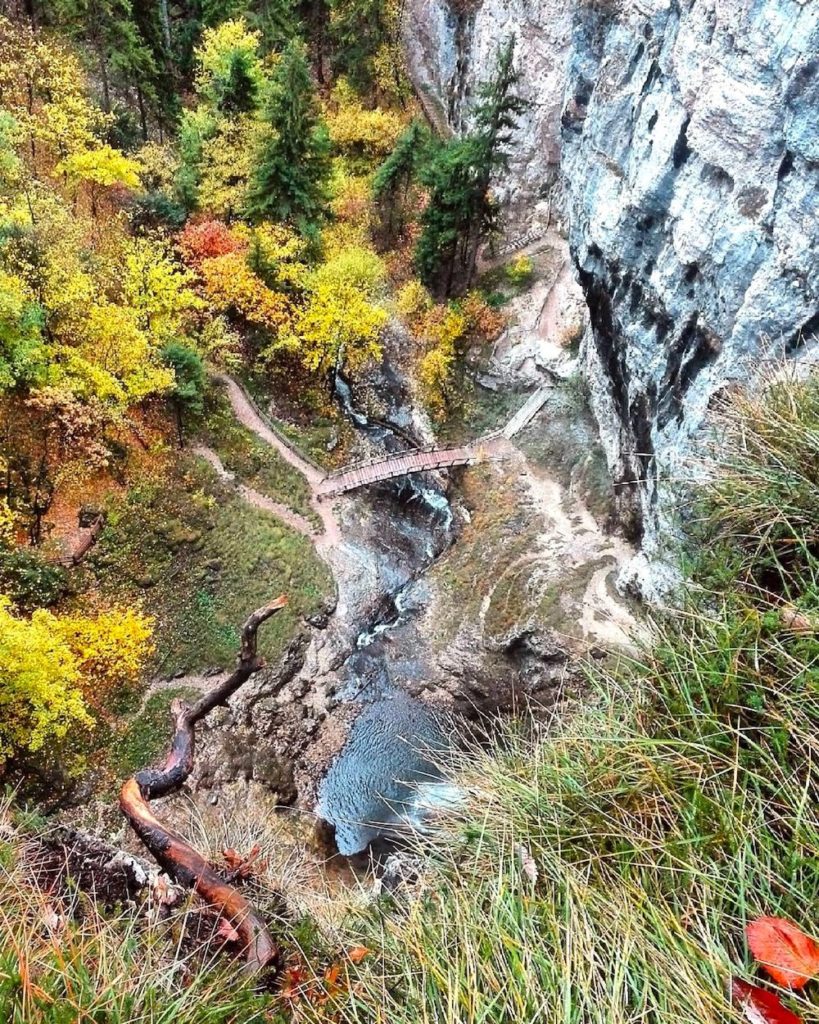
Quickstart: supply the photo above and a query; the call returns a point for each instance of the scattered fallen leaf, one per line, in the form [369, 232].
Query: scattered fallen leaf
[332, 981]
[760, 1006]
[789, 955]
[797, 621]
[244, 867]
[357, 953]
[162, 892]
[52, 919]
[527, 862]
[226, 931]
[294, 982]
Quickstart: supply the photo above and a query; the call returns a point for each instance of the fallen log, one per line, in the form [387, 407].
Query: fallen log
[176, 856]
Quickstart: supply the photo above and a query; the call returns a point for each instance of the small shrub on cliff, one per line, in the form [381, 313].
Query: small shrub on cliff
[519, 272]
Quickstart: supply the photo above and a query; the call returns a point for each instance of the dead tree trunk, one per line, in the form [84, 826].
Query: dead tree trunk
[177, 857]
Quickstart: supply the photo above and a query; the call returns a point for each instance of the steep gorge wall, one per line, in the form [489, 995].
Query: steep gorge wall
[691, 152]
[451, 48]
[688, 146]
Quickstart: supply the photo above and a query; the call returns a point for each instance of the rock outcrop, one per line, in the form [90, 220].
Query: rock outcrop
[691, 156]
[451, 49]
[689, 159]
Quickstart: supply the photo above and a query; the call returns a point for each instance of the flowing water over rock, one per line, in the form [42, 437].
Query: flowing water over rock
[390, 758]
[372, 785]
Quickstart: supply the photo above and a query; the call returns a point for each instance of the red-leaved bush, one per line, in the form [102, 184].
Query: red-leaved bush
[207, 239]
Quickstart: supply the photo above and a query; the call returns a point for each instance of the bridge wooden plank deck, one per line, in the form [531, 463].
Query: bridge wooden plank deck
[527, 412]
[425, 460]
[402, 464]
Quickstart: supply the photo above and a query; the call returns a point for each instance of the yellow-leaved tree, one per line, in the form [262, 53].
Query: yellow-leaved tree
[53, 667]
[98, 170]
[342, 320]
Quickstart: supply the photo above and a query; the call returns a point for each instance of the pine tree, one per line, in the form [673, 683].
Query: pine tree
[496, 116]
[189, 381]
[292, 163]
[357, 31]
[461, 210]
[455, 208]
[123, 57]
[393, 180]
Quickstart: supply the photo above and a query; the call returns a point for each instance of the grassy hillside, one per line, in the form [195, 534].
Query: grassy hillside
[602, 870]
[605, 871]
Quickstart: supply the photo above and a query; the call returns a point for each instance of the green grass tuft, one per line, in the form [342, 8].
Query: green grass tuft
[200, 559]
[604, 871]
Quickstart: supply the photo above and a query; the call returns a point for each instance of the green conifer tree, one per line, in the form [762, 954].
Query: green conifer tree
[461, 210]
[124, 60]
[357, 30]
[292, 163]
[393, 180]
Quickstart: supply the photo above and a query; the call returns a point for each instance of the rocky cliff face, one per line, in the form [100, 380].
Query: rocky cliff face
[689, 155]
[452, 47]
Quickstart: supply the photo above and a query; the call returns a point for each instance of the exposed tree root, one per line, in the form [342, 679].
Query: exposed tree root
[187, 867]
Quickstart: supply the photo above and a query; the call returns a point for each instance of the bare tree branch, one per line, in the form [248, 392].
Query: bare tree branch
[172, 852]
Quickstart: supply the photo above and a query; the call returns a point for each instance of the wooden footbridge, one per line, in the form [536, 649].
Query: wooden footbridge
[425, 460]
[385, 467]
[416, 460]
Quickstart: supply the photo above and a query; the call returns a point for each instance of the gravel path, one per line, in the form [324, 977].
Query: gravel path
[256, 498]
[248, 417]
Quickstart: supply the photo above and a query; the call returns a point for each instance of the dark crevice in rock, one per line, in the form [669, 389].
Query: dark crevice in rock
[652, 77]
[808, 330]
[682, 151]
[641, 416]
[786, 166]
[694, 349]
[610, 345]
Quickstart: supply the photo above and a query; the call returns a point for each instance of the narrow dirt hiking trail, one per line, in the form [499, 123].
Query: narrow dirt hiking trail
[256, 498]
[191, 682]
[247, 415]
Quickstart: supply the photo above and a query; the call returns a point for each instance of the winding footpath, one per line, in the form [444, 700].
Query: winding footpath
[256, 498]
[324, 486]
[246, 413]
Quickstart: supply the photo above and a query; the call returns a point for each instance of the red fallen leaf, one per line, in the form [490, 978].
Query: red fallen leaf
[332, 974]
[244, 867]
[789, 955]
[295, 982]
[226, 931]
[357, 953]
[332, 981]
[760, 1006]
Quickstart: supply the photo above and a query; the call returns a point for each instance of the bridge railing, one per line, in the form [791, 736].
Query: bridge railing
[429, 449]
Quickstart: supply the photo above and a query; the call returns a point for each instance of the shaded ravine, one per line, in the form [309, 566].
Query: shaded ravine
[370, 767]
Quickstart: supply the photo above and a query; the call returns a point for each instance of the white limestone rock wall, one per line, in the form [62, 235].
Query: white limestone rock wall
[691, 157]
[451, 49]
[688, 151]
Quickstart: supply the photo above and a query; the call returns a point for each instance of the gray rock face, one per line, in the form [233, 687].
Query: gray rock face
[451, 50]
[690, 156]
[690, 164]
